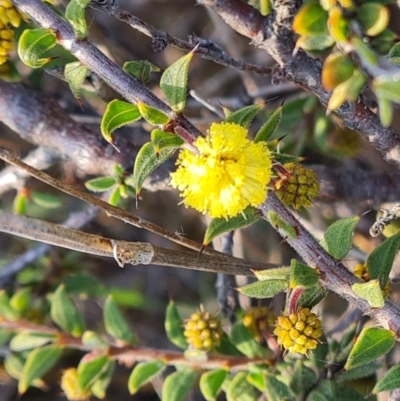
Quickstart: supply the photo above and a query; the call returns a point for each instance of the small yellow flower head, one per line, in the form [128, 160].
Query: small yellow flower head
[9, 14]
[259, 320]
[298, 187]
[228, 174]
[298, 332]
[6, 41]
[69, 384]
[203, 331]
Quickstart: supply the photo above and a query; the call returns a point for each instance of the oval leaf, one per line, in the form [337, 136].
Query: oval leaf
[177, 385]
[380, 260]
[100, 184]
[147, 160]
[117, 114]
[240, 389]
[115, 324]
[174, 82]
[302, 275]
[32, 44]
[373, 17]
[338, 237]
[163, 140]
[270, 126]
[219, 226]
[275, 390]
[211, 383]
[45, 200]
[65, 314]
[279, 273]
[244, 341]
[372, 343]
[264, 289]
[174, 326]
[37, 364]
[371, 292]
[28, 340]
[75, 14]
[140, 69]
[390, 380]
[143, 373]
[75, 73]
[100, 385]
[89, 369]
[152, 115]
[310, 20]
[245, 115]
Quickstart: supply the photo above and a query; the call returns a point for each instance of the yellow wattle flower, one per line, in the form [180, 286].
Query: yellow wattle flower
[228, 174]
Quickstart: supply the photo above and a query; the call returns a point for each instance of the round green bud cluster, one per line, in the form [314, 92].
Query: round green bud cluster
[69, 384]
[203, 331]
[298, 187]
[259, 320]
[298, 332]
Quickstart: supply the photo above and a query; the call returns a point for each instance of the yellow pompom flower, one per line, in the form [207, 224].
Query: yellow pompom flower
[298, 332]
[228, 174]
[69, 384]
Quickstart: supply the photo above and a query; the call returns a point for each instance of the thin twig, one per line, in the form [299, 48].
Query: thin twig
[114, 211]
[128, 354]
[123, 252]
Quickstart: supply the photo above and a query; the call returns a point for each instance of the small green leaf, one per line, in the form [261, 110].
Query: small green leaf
[380, 260]
[373, 17]
[174, 326]
[244, 341]
[152, 115]
[302, 380]
[311, 20]
[245, 115]
[5, 336]
[89, 369]
[270, 126]
[337, 68]
[387, 87]
[28, 340]
[219, 226]
[177, 385]
[360, 372]
[240, 389]
[5, 308]
[143, 373]
[46, 200]
[115, 196]
[226, 347]
[174, 83]
[275, 390]
[14, 364]
[147, 160]
[117, 114]
[257, 380]
[100, 184]
[75, 14]
[278, 273]
[32, 44]
[390, 380]
[371, 292]
[338, 237]
[39, 361]
[367, 55]
[115, 324]
[65, 314]
[163, 140]
[93, 340]
[140, 69]
[385, 111]
[21, 299]
[372, 343]
[211, 382]
[264, 289]
[100, 385]
[314, 43]
[312, 296]
[280, 224]
[75, 73]
[302, 275]
[20, 203]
